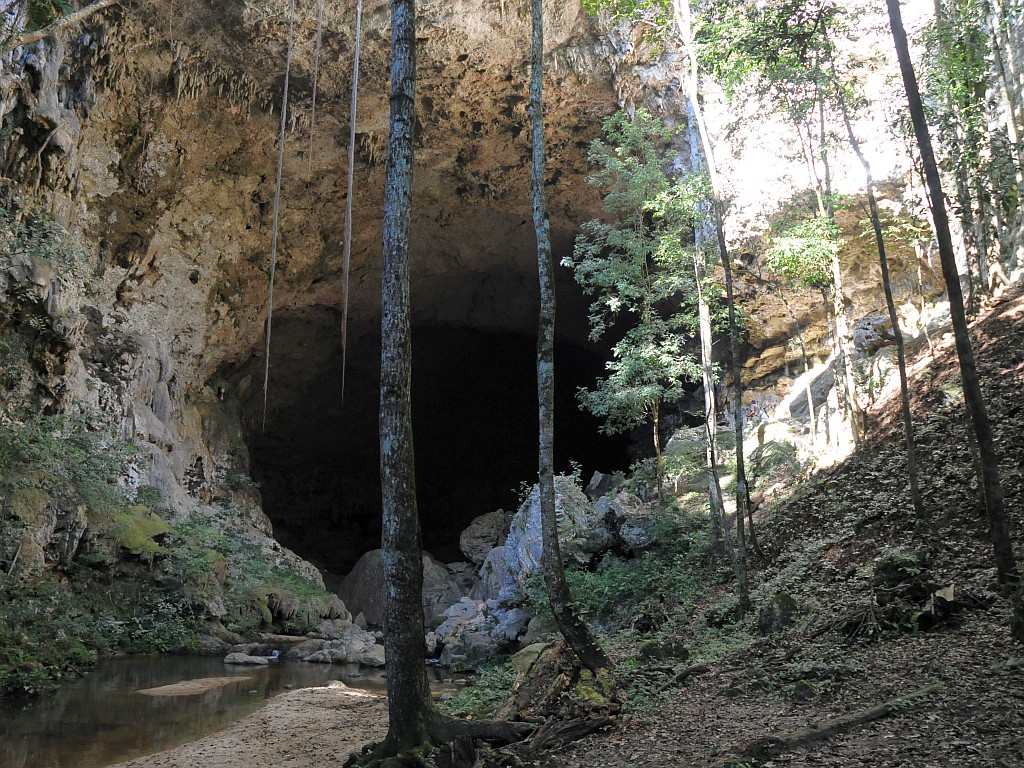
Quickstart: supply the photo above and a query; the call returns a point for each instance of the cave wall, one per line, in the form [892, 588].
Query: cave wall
[152, 134]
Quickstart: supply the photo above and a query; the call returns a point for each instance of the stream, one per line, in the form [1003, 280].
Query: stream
[102, 718]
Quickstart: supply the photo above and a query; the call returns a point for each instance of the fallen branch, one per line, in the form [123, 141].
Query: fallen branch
[692, 671]
[768, 746]
[62, 23]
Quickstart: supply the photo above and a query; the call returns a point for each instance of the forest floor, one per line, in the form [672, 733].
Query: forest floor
[888, 605]
[851, 546]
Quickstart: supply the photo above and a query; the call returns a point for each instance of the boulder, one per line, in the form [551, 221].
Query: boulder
[496, 580]
[602, 485]
[245, 659]
[511, 624]
[483, 534]
[363, 589]
[464, 575]
[474, 630]
[331, 629]
[579, 527]
[540, 629]
[352, 646]
[872, 332]
[634, 523]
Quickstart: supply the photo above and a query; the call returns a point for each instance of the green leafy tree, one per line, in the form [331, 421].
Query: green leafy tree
[631, 266]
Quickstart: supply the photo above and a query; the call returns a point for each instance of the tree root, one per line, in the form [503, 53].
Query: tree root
[768, 746]
[447, 743]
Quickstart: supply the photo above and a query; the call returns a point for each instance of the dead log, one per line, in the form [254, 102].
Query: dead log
[691, 671]
[556, 734]
[765, 747]
[447, 729]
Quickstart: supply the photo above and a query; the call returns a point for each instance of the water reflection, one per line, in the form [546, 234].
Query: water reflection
[103, 719]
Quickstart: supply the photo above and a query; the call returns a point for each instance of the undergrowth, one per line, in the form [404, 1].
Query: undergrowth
[487, 691]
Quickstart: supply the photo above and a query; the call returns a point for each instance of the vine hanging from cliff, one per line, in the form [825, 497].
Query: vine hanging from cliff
[347, 257]
[277, 205]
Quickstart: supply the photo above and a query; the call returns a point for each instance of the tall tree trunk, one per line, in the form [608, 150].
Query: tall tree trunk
[409, 703]
[975, 402]
[843, 309]
[1002, 53]
[715, 504]
[573, 629]
[681, 11]
[658, 459]
[700, 236]
[894, 320]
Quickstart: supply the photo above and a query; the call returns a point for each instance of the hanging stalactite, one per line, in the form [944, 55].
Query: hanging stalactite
[277, 206]
[316, 78]
[347, 258]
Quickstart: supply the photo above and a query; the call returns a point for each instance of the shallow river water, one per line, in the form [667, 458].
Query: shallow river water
[103, 719]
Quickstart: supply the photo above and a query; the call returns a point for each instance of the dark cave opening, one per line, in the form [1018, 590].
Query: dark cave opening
[475, 433]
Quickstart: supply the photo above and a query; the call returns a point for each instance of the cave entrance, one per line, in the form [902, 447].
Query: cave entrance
[474, 423]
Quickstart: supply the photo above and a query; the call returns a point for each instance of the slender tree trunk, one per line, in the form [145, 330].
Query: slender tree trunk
[843, 310]
[573, 629]
[409, 703]
[710, 416]
[700, 236]
[658, 459]
[894, 320]
[968, 231]
[681, 11]
[975, 402]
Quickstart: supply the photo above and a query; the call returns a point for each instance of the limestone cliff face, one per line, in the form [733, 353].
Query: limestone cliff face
[152, 135]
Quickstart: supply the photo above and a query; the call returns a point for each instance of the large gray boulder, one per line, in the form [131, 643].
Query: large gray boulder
[475, 630]
[352, 646]
[581, 530]
[632, 521]
[483, 534]
[243, 659]
[496, 581]
[363, 589]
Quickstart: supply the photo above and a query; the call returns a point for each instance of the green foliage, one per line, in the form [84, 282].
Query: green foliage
[43, 12]
[623, 593]
[26, 233]
[137, 529]
[654, 15]
[216, 557]
[649, 367]
[489, 690]
[955, 80]
[781, 46]
[65, 455]
[802, 252]
[51, 630]
[634, 266]
[149, 496]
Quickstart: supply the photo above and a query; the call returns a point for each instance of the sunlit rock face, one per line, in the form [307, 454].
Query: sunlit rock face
[154, 135]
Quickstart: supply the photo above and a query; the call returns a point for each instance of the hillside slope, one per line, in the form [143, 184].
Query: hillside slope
[868, 581]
